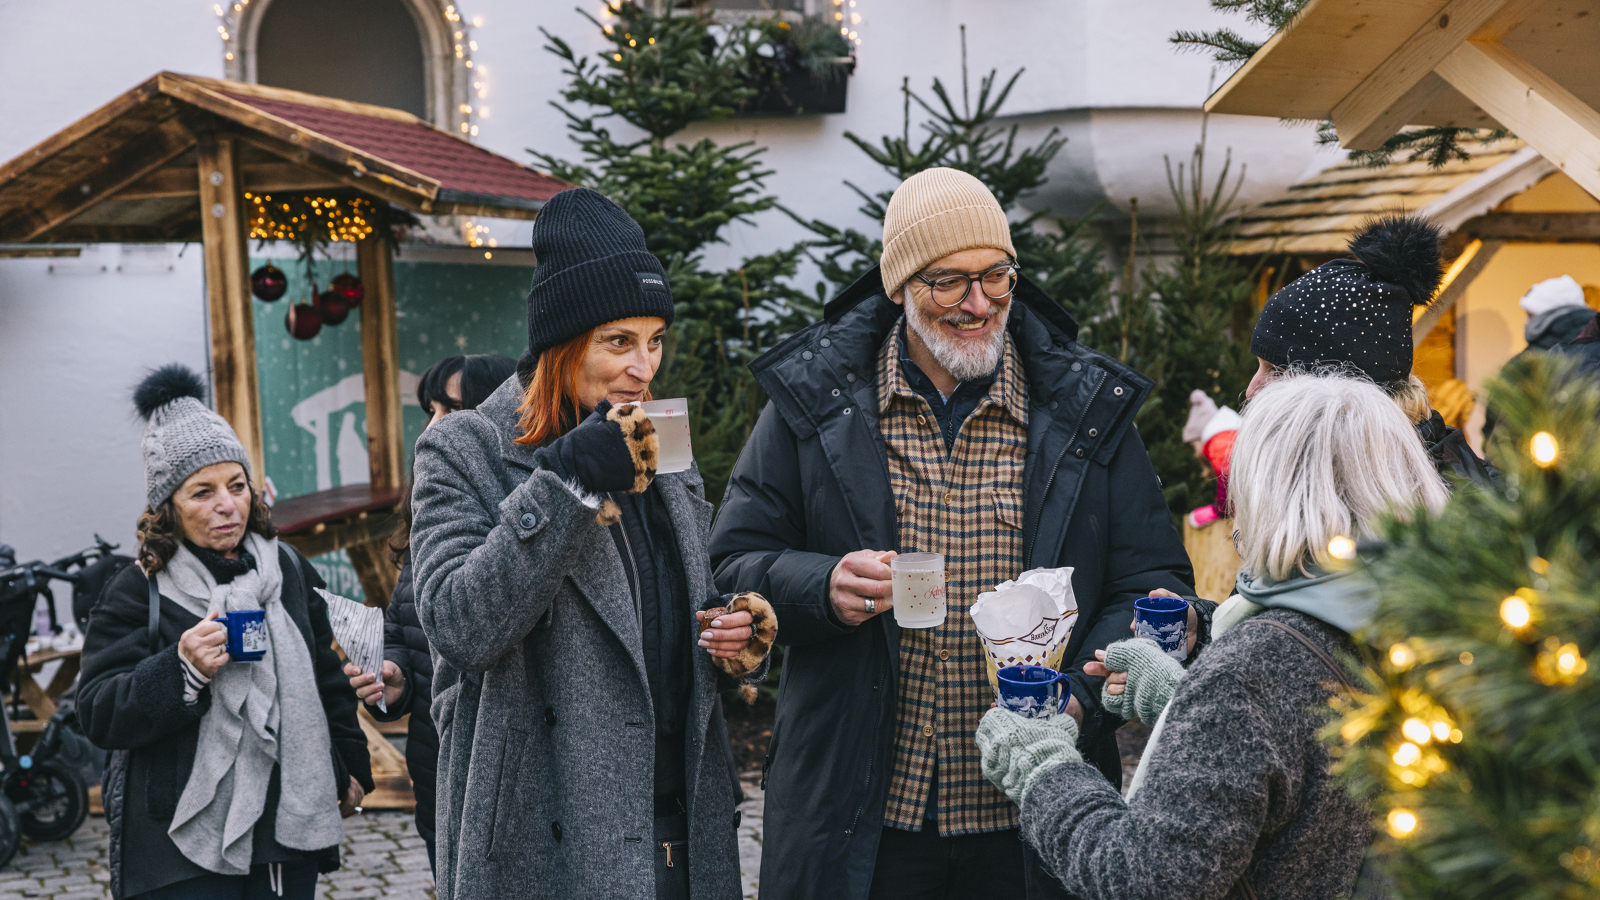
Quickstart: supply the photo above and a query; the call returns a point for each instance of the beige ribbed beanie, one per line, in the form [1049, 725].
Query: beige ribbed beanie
[935, 213]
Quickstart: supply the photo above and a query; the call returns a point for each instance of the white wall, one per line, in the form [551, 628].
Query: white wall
[71, 346]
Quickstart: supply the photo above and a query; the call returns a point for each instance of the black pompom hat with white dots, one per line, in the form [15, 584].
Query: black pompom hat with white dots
[1356, 311]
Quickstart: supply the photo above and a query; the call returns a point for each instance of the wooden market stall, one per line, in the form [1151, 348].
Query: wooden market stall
[187, 159]
[178, 158]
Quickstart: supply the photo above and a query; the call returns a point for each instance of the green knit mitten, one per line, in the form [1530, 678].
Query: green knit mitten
[1152, 677]
[1016, 750]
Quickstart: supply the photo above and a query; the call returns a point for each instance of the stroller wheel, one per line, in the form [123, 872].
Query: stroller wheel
[50, 801]
[10, 833]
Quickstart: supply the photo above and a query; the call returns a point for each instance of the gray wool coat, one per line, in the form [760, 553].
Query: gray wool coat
[546, 734]
[1237, 787]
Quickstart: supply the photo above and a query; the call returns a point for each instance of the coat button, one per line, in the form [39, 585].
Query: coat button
[836, 392]
[825, 342]
[555, 830]
[528, 520]
[550, 715]
[806, 355]
[847, 410]
[1077, 367]
[1117, 391]
[927, 731]
[1094, 432]
[850, 377]
[944, 654]
[1054, 404]
[1078, 453]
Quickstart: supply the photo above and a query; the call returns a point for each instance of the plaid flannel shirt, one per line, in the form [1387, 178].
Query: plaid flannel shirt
[967, 505]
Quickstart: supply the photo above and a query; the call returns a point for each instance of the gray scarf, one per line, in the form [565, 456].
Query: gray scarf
[262, 714]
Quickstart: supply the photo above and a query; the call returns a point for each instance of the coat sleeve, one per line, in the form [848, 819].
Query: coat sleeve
[1144, 552]
[1192, 828]
[758, 540]
[339, 701]
[484, 569]
[127, 698]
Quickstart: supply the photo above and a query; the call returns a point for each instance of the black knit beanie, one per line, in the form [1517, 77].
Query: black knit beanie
[1356, 311]
[593, 268]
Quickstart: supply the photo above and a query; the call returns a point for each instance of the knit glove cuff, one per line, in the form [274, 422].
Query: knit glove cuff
[1152, 677]
[1016, 751]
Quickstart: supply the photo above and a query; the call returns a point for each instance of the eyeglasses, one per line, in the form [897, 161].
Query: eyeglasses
[997, 282]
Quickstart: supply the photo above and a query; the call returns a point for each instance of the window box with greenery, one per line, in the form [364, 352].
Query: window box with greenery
[801, 66]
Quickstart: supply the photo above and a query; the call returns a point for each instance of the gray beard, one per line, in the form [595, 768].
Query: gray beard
[963, 363]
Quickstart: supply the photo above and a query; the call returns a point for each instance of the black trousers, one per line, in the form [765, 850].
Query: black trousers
[922, 865]
[298, 880]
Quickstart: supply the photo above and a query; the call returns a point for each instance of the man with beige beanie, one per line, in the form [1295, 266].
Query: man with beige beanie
[943, 405]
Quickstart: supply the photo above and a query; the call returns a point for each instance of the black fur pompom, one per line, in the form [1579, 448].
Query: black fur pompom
[164, 385]
[1401, 250]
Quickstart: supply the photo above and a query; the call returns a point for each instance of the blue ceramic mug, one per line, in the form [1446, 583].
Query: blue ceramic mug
[1164, 620]
[247, 634]
[1033, 691]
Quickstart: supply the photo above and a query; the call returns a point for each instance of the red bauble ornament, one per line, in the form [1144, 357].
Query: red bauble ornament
[268, 283]
[303, 321]
[333, 308]
[349, 287]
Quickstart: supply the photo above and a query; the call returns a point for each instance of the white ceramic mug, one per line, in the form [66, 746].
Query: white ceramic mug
[671, 419]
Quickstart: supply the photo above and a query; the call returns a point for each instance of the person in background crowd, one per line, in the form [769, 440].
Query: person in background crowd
[1358, 313]
[943, 405]
[236, 772]
[1233, 795]
[1559, 321]
[450, 385]
[559, 580]
[1210, 431]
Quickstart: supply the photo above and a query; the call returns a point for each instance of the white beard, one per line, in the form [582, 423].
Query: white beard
[961, 359]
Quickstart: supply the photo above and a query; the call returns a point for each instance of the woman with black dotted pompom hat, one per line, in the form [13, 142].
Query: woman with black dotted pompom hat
[1356, 315]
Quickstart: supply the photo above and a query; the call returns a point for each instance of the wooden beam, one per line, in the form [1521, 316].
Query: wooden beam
[380, 363]
[1536, 228]
[373, 569]
[227, 265]
[261, 177]
[123, 167]
[365, 528]
[1548, 116]
[1467, 267]
[1404, 84]
[81, 129]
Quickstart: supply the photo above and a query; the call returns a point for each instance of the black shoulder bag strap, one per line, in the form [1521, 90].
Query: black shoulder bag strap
[154, 626]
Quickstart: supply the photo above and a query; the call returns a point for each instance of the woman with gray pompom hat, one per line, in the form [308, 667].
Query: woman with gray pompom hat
[232, 774]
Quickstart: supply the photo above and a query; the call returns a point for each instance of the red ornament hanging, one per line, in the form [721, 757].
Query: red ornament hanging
[268, 283]
[333, 308]
[348, 287]
[303, 321]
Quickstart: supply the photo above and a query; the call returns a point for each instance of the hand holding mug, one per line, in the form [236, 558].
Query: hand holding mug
[861, 586]
[1191, 636]
[205, 645]
[367, 686]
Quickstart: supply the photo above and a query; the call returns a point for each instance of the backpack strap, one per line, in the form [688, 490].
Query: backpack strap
[1300, 636]
[154, 625]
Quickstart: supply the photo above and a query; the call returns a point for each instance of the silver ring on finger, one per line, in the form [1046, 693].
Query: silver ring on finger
[872, 606]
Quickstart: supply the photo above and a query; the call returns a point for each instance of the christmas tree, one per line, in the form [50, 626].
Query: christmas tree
[1479, 742]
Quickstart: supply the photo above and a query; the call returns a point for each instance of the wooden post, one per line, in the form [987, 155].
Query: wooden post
[380, 363]
[227, 262]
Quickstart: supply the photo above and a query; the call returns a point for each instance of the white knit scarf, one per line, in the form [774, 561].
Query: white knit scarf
[262, 713]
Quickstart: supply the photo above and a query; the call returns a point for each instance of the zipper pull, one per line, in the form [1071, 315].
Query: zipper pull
[667, 846]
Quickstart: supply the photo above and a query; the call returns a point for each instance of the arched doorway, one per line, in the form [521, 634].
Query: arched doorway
[368, 51]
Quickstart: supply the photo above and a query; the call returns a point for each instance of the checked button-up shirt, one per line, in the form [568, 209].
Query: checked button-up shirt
[966, 503]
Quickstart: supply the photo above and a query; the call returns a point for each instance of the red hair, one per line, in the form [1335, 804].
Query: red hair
[550, 406]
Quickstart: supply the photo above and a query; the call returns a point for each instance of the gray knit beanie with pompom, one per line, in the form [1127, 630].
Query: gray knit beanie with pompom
[181, 435]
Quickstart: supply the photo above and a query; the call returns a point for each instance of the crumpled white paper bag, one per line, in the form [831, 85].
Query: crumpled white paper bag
[1027, 621]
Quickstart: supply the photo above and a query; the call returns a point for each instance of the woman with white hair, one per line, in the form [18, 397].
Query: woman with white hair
[1233, 796]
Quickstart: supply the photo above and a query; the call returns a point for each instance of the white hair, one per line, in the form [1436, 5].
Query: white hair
[1319, 456]
[962, 362]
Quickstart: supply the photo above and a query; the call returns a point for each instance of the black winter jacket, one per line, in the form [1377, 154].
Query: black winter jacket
[812, 484]
[1451, 453]
[131, 700]
[406, 646]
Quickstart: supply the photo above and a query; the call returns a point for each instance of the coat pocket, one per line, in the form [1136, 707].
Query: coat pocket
[503, 837]
[1008, 507]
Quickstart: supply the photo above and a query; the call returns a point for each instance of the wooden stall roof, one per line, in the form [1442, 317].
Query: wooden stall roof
[1317, 216]
[127, 171]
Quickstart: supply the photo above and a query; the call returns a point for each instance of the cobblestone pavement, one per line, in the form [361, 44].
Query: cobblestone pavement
[383, 857]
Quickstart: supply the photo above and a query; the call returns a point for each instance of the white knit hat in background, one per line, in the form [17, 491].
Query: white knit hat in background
[933, 214]
[1552, 293]
[1201, 409]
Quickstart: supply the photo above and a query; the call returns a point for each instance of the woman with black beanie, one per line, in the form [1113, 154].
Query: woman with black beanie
[450, 385]
[566, 591]
[1356, 315]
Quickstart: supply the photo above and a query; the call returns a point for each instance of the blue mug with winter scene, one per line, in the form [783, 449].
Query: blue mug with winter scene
[1164, 620]
[247, 634]
[1032, 691]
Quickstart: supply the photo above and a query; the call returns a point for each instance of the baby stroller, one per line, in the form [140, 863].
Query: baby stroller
[43, 794]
